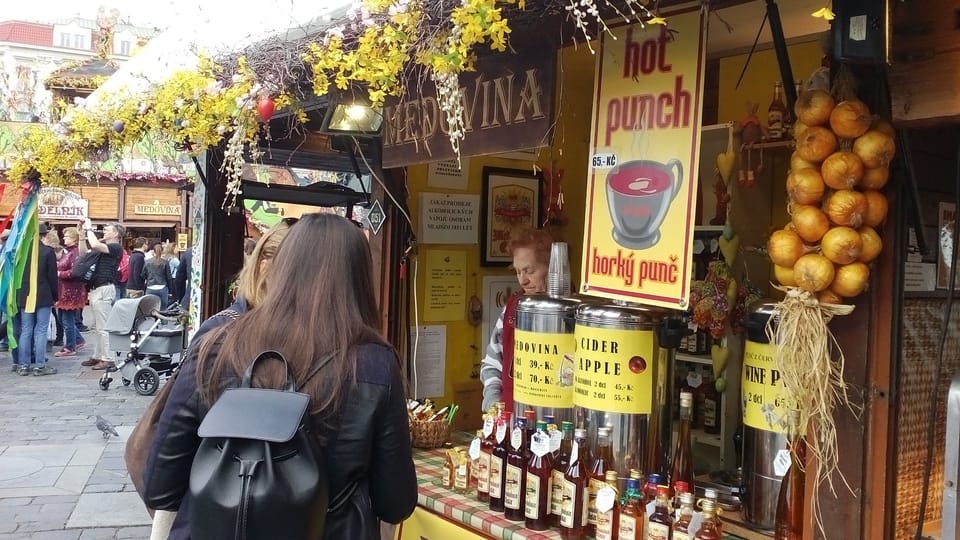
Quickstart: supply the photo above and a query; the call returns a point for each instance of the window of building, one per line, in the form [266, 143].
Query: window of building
[79, 42]
[125, 48]
[64, 40]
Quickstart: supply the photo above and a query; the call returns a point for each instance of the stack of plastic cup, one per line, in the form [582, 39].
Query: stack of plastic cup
[558, 273]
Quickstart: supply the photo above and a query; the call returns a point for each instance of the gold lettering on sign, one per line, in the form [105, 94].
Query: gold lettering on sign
[157, 209]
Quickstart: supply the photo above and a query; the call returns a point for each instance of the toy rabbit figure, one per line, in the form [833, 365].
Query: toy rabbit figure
[750, 129]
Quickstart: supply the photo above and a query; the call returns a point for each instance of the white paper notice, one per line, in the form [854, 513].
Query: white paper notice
[429, 360]
[449, 219]
[449, 174]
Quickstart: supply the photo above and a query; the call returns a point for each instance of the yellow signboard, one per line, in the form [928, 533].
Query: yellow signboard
[642, 190]
[614, 370]
[543, 368]
[765, 399]
[425, 525]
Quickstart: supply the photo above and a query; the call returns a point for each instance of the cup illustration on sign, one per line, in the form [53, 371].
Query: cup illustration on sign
[565, 374]
[639, 194]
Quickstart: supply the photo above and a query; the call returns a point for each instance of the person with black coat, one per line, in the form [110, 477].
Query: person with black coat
[36, 309]
[135, 282]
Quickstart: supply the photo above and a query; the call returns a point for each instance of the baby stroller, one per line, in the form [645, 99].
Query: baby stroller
[145, 341]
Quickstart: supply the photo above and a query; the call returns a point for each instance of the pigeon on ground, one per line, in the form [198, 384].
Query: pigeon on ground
[106, 428]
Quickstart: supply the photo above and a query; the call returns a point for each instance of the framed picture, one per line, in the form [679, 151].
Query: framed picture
[511, 200]
[496, 291]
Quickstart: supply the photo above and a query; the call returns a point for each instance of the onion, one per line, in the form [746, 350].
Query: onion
[797, 163]
[846, 207]
[841, 245]
[875, 148]
[804, 186]
[850, 279]
[810, 223]
[798, 129]
[842, 170]
[816, 144]
[785, 247]
[813, 108]
[875, 178]
[813, 272]
[883, 126]
[876, 208]
[784, 276]
[850, 119]
[872, 244]
[827, 296]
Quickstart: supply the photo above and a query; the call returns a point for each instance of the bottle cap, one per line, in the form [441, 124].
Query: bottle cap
[566, 426]
[686, 498]
[663, 491]
[654, 479]
[521, 423]
[550, 419]
[580, 433]
[636, 474]
[633, 483]
[541, 425]
[710, 493]
[610, 477]
[530, 416]
[603, 433]
[681, 486]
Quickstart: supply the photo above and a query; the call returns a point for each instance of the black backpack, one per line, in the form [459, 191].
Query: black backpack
[85, 266]
[258, 473]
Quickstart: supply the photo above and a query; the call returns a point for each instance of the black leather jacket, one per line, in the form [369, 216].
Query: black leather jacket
[371, 446]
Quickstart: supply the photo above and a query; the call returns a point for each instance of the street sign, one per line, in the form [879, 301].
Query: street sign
[376, 217]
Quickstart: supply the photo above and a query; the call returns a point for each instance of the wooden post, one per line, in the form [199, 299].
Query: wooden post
[223, 253]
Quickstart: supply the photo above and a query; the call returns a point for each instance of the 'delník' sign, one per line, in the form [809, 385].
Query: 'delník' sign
[642, 181]
[507, 103]
[58, 205]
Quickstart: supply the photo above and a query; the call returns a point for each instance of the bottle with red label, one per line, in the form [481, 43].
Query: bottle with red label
[539, 477]
[498, 462]
[483, 463]
[661, 520]
[573, 506]
[515, 481]
[559, 469]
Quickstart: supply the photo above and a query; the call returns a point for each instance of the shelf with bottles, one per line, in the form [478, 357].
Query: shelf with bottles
[693, 358]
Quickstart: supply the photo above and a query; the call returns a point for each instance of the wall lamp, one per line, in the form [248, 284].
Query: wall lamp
[354, 117]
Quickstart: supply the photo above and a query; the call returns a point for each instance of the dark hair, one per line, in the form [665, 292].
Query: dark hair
[158, 259]
[324, 303]
[140, 242]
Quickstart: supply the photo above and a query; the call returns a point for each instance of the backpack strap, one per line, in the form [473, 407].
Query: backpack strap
[341, 499]
[248, 373]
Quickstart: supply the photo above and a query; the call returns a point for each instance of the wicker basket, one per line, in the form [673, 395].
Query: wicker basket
[429, 434]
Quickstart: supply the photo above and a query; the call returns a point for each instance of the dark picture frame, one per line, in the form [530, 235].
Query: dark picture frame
[511, 199]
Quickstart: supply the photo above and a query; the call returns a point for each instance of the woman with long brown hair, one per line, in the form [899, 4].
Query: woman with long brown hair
[324, 304]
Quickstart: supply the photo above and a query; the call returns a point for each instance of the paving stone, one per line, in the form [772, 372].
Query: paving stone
[133, 532]
[102, 533]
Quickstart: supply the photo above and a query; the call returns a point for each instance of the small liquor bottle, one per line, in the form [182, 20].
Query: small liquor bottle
[573, 508]
[602, 462]
[498, 462]
[681, 528]
[539, 477]
[789, 521]
[661, 520]
[650, 487]
[708, 526]
[514, 487]
[559, 469]
[483, 464]
[682, 467]
[631, 513]
[608, 511]
[461, 474]
[776, 113]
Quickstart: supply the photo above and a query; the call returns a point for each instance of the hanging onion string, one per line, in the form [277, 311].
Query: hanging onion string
[813, 378]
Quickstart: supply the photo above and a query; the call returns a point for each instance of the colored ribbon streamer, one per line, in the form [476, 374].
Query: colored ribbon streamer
[13, 256]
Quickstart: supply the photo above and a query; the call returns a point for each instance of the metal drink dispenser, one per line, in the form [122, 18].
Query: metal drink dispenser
[764, 421]
[543, 356]
[616, 383]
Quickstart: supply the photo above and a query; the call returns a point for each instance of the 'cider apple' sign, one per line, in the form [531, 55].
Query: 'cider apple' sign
[641, 195]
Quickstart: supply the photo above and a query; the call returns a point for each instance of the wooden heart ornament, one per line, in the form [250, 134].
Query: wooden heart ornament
[729, 248]
[727, 160]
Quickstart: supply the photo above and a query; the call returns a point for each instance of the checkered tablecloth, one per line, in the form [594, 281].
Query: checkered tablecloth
[463, 508]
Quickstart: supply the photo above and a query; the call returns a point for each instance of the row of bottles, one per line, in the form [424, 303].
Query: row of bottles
[697, 379]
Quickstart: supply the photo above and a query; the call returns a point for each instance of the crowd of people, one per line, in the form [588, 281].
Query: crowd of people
[50, 297]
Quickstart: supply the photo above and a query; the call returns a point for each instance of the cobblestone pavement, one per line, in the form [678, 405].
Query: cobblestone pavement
[59, 478]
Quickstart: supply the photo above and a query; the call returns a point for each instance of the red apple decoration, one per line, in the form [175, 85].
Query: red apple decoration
[637, 364]
[265, 108]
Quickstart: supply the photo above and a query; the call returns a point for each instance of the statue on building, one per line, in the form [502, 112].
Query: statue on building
[106, 20]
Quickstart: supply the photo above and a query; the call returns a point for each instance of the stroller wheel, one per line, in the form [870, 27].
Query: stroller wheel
[126, 381]
[146, 381]
[105, 383]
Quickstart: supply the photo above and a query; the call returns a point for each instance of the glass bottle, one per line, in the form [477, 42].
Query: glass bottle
[559, 469]
[650, 488]
[539, 480]
[711, 404]
[776, 113]
[682, 467]
[789, 520]
[679, 488]
[681, 527]
[449, 468]
[483, 463]
[608, 511]
[710, 494]
[631, 513]
[602, 462]
[514, 485]
[498, 462]
[661, 520]
[573, 507]
[461, 475]
[708, 525]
